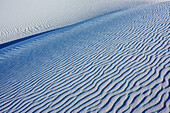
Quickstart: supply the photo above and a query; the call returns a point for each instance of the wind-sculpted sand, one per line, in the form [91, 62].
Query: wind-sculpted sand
[22, 18]
[117, 63]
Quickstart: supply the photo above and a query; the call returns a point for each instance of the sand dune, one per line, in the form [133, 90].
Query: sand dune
[21, 18]
[117, 63]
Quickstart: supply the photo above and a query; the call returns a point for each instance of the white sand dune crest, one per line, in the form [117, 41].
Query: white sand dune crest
[21, 18]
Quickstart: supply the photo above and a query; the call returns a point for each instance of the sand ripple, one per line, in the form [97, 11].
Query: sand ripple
[117, 63]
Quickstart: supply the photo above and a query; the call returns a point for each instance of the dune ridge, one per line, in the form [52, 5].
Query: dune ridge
[117, 63]
[22, 18]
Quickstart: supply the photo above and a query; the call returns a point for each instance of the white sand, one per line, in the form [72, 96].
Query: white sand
[21, 18]
[117, 63]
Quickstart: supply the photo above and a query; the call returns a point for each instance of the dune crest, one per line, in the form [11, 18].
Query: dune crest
[21, 18]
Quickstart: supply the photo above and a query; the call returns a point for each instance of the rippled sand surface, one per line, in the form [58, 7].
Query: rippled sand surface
[118, 63]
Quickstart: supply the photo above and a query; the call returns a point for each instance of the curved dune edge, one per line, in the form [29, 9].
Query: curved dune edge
[117, 63]
[22, 18]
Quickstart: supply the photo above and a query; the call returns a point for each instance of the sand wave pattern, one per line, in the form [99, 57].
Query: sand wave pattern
[117, 63]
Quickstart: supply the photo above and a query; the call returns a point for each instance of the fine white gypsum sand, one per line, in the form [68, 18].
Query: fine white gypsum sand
[21, 18]
[118, 63]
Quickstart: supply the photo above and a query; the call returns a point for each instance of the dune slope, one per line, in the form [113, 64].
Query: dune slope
[116, 63]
